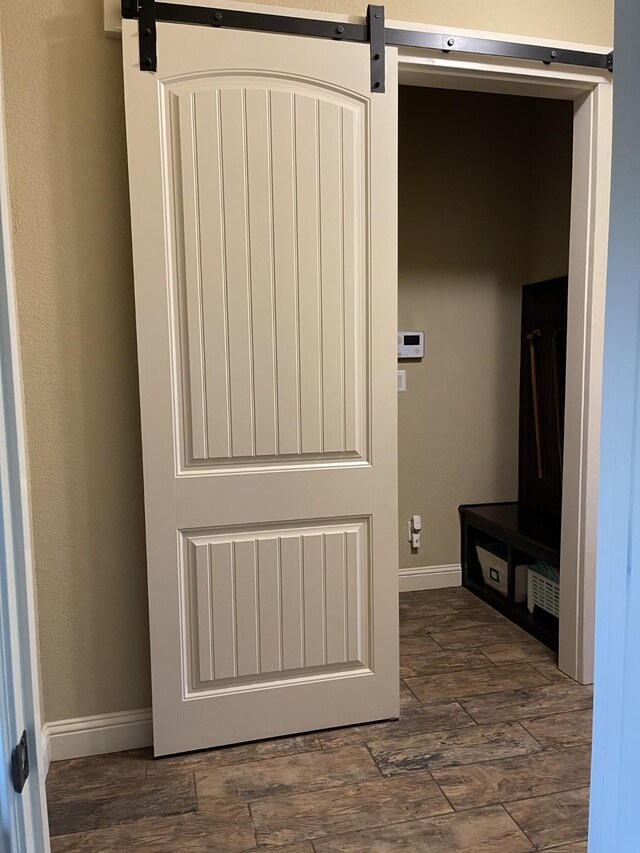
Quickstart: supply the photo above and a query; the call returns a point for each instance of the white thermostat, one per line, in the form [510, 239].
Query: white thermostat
[410, 344]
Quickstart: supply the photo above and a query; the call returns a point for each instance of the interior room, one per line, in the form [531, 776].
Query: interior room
[484, 200]
[484, 209]
[302, 364]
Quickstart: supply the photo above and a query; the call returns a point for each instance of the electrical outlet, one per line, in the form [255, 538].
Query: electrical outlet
[414, 526]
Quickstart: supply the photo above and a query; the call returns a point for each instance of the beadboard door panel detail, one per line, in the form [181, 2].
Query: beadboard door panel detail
[267, 181]
[290, 601]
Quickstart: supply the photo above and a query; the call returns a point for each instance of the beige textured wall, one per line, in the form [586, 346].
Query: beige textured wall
[72, 250]
[484, 185]
[588, 21]
[68, 186]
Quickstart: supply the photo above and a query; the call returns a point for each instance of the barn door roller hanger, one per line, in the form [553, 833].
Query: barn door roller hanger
[373, 32]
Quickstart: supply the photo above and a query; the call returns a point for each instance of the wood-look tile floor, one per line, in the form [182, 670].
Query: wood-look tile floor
[490, 755]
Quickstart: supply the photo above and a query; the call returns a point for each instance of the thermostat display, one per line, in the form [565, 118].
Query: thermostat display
[410, 344]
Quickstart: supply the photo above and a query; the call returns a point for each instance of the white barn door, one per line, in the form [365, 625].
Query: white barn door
[263, 199]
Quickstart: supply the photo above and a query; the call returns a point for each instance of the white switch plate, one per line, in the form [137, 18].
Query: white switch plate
[402, 380]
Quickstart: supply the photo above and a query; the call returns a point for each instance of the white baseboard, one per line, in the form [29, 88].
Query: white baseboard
[122, 730]
[430, 577]
[97, 735]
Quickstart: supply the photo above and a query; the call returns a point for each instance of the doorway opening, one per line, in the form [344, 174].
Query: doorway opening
[586, 116]
[484, 209]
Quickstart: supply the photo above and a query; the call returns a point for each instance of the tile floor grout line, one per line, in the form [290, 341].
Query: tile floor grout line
[522, 723]
[404, 681]
[361, 743]
[405, 736]
[534, 847]
[546, 750]
[217, 767]
[557, 714]
[452, 813]
[448, 670]
[366, 828]
[455, 730]
[479, 649]
[530, 663]
[443, 793]
[336, 787]
[504, 803]
[529, 716]
[253, 824]
[433, 640]
[526, 834]
[535, 717]
[474, 763]
[491, 668]
[564, 680]
[427, 652]
[375, 762]
[195, 791]
[461, 706]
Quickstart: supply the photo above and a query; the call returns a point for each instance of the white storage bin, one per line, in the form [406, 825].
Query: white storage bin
[544, 593]
[495, 572]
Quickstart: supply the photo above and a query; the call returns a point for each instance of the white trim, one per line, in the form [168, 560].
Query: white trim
[19, 662]
[83, 736]
[430, 577]
[593, 121]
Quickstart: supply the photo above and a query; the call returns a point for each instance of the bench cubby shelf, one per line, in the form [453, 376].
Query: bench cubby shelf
[525, 536]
